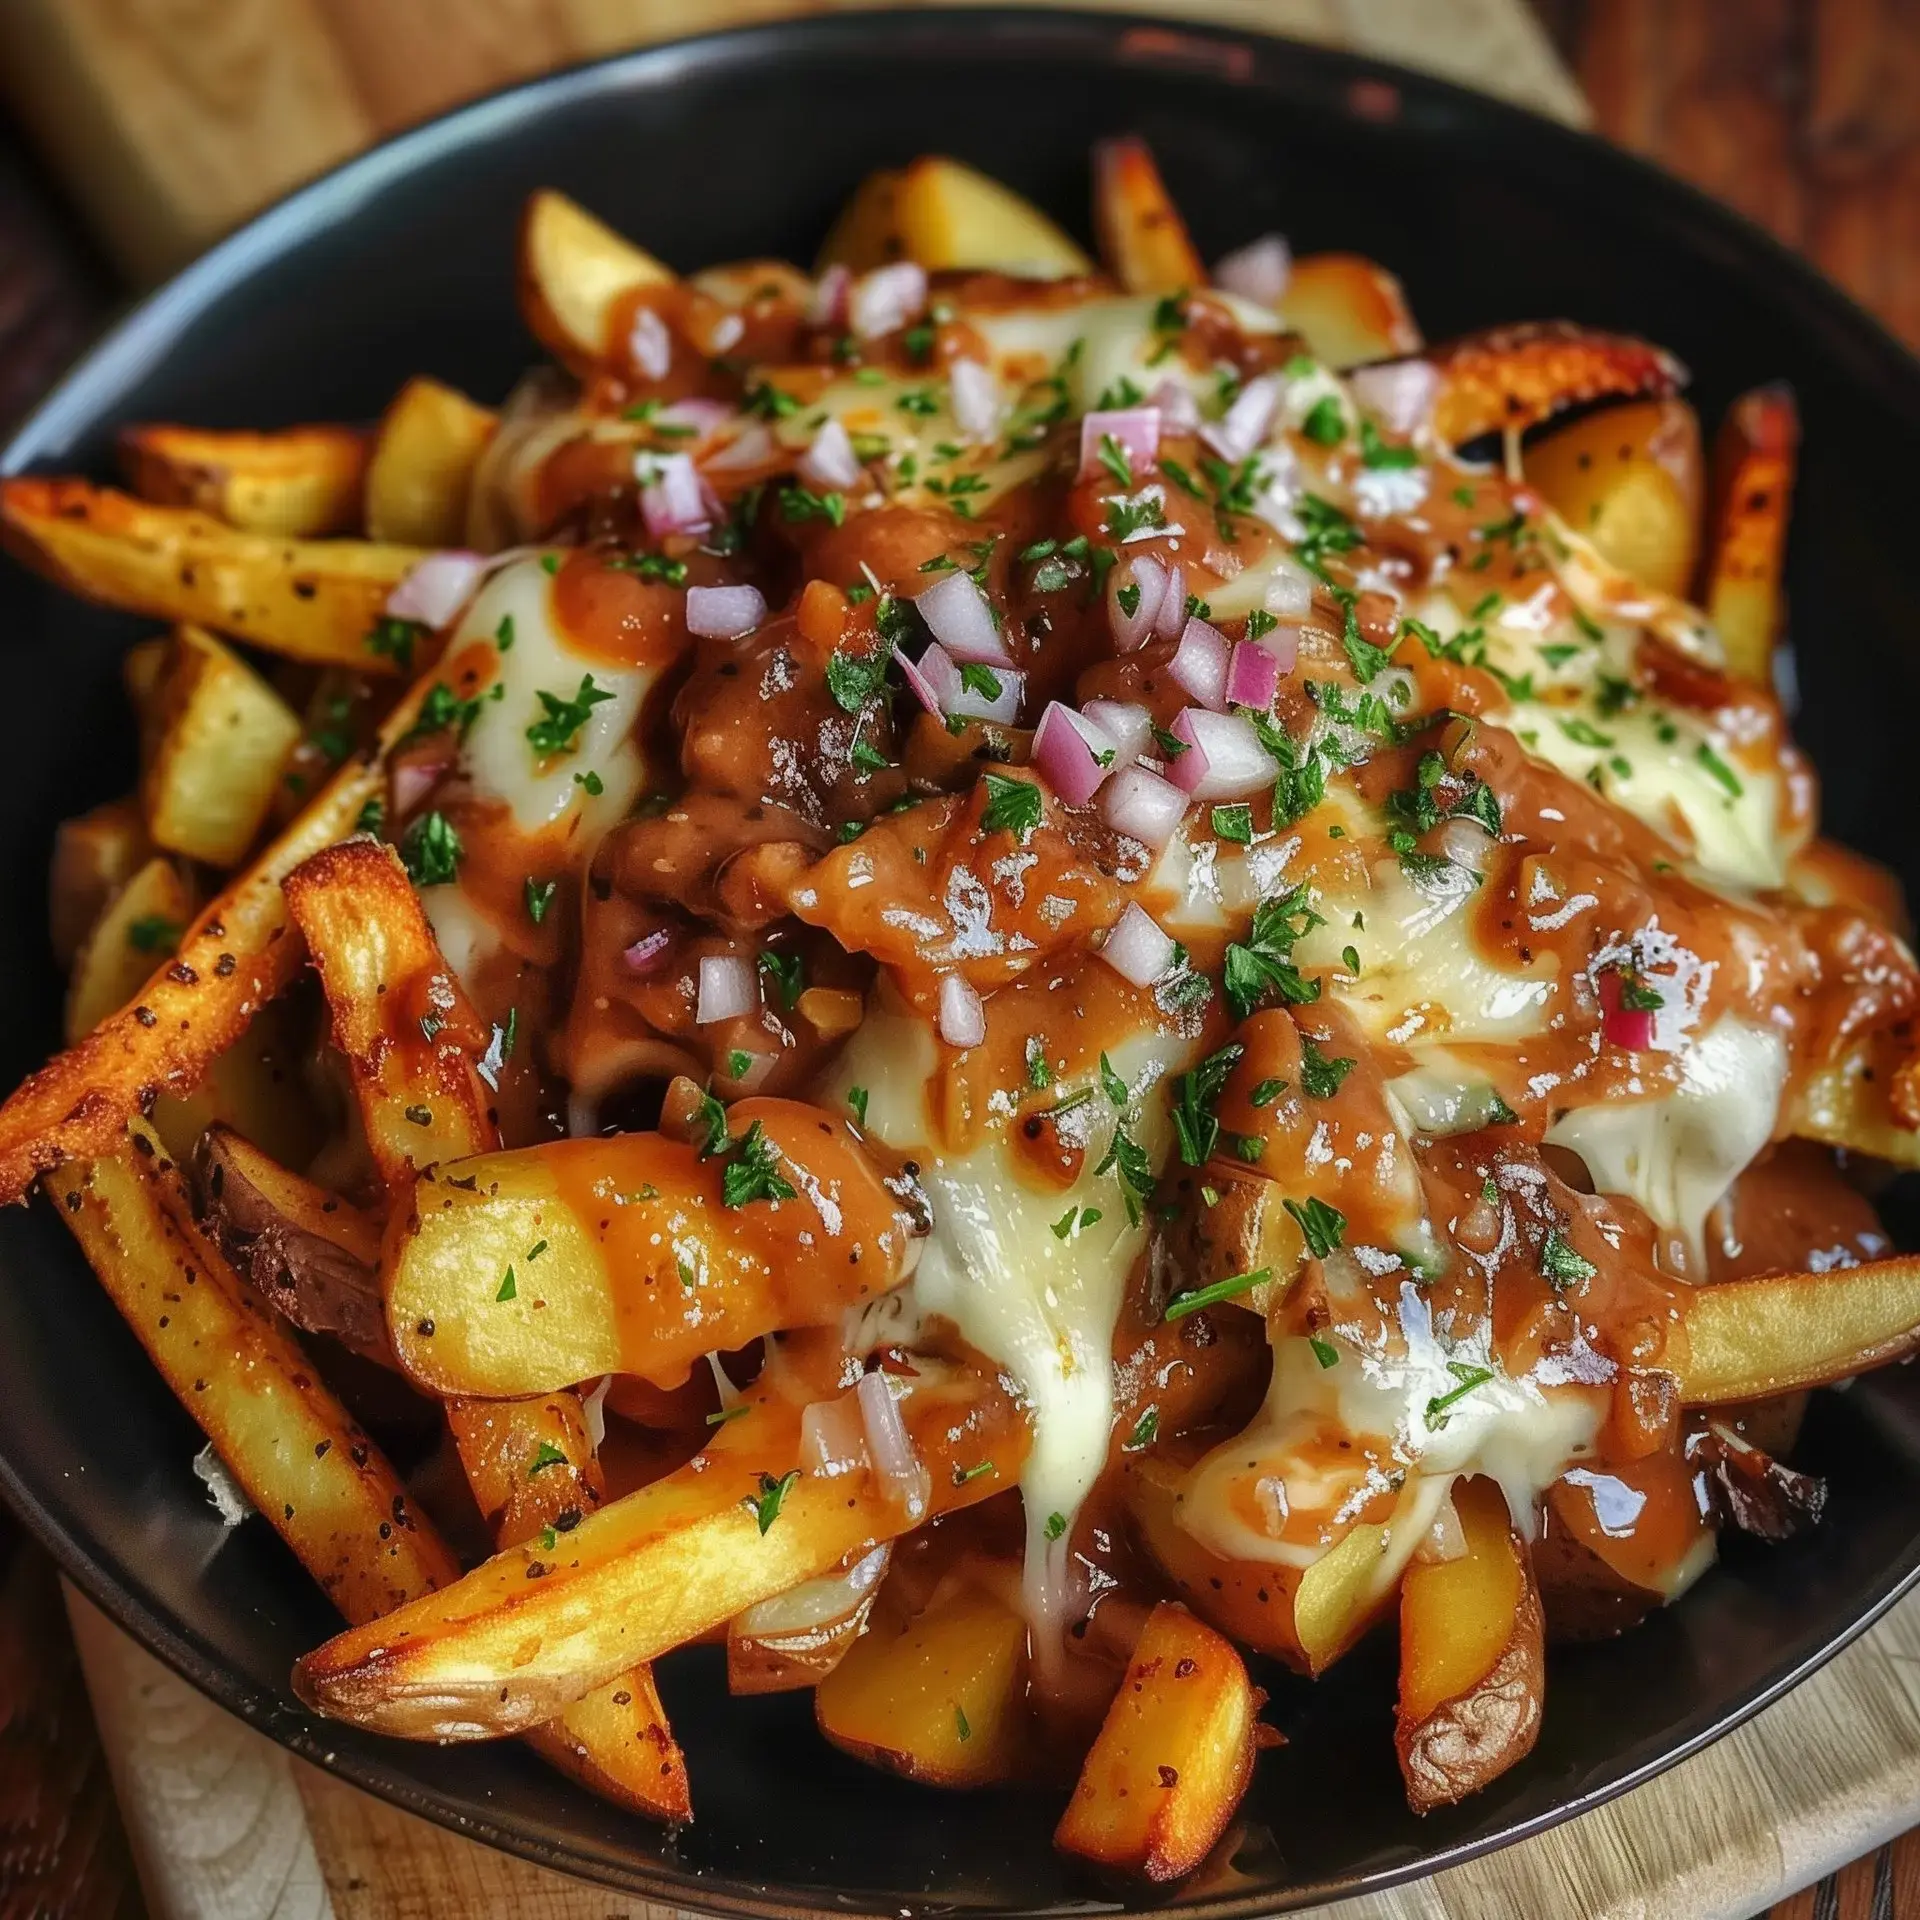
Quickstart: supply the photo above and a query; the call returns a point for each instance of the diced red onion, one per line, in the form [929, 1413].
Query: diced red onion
[1464, 841]
[1398, 393]
[1199, 663]
[1067, 749]
[1629, 1028]
[829, 305]
[1179, 410]
[931, 678]
[728, 988]
[889, 1448]
[1224, 759]
[976, 399]
[752, 446]
[963, 1019]
[833, 1437]
[671, 500]
[648, 951]
[1259, 271]
[1253, 676]
[957, 613]
[724, 613]
[1247, 421]
[1284, 644]
[1142, 805]
[650, 345]
[887, 299]
[703, 416]
[1148, 579]
[410, 781]
[941, 687]
[1128, 726]
[1173, 604]
[1135, 430]
[1289, 593]
[1136, 949]
[830, 461]
[758, 1071]
[436, 588]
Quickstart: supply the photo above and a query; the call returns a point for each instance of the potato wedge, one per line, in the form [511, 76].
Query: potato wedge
[943, 1702]
[949, 216]
[217, 739]
[1348, 309]
[522, 1637]
[1173, 1758]
[425, 452]
[1521, 375]
[1629, 478]
[866, 231]
[317, 600]
[1143, 240]
[1747, 1339]
[312, 1473]
[137, 931]
[575, 273]
[301, 483]
[1755, 456]
[1472, 1663]
[140, 669]
[94, 855]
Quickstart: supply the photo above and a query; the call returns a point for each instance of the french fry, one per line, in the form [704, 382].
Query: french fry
[136, 929]
[1348, 309]
[1749, 1339]
[1754, 459]
[1865, 1101]
[300, 483]
[315, 600]
[312, 1473]
[575, 272]
[94, 856]
[508, 1647]
[946, 216]
[425, 451]
[866, 232]
[217, 741]
[1472, 1658]
[140, 669]
[1519, 376]
[942, 1701]
[1173, 1758]
[1142, 238]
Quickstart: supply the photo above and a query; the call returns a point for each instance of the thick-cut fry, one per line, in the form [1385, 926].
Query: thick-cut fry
[1348, 309]
[1142, 237]
[1173, 1757]
[94, 856]
[217, 739]
[1521, 375]
[522, 1637]
[137, 929]
[946, 216]
[424, 455]
[300, 483]
[574, 274]
[312, 1473]
[1748, 1339]
[1472, 1665]
[313, 599]
[1754, 458]
[866, 232]
[942, 1701]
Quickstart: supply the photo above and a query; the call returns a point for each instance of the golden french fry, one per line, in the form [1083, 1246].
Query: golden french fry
[316, 1478]
[866, 232]
[1142, 238]
[217, 738]
[1519, 376]
[1348, 309]
[1472, 1657]
[134, 933]
[302, 482]
[94, 855]
[316, 600]
[1755, 457]
[425, 451]
[575, 272]
[1173, 1758]
[1749, 1339]
[949, 216]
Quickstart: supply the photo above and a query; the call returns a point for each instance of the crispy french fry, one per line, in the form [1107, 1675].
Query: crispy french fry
[1754, 459]
[508, 1647]
[137, 929]
[575, 271]
[1519, 376]
[310, 1471]
[866, 232]
[313, 599]
[1748, 1339]
[94, 856]
[948, 216]
[1348, 309]
[1173, 1758]
[1472, 1658]
[425, 451]
[1142, 238]
[217, 741]
[302, 482]
[942, 1701]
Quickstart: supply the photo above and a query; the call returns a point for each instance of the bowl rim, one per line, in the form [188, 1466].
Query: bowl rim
[154, 322]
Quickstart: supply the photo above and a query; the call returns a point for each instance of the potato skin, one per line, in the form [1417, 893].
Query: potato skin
[1581, 1597]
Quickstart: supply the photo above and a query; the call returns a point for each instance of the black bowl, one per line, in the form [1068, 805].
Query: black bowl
[745, 144]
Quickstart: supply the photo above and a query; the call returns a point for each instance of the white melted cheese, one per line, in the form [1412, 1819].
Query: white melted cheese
[1679, 1153]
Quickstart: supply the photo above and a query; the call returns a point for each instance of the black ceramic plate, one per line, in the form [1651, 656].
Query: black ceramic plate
[745, 144]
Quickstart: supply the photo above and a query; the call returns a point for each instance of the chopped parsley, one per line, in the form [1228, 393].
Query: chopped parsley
[854, 678]
[1195, 1094]
[1134, 513]
[766, 1507]
[801, 503]
[1146, 1430]
[1324, 1350]
[154, 933]
[1183, 1304]
[1039, 1074]
[753, 1173]
[1724, 774]
[1320, 1077]
[1382, 455]
[975, 678]
[430, 851]
[1560, 1265]
[557, 729]
[503, 633]
[857, 1104]
[1113, 456]
[1367, 660]
[1266, 1093]
[1263, 965]
[1469, 1378]
[508, 1290]
[545, 1455]
[1234, 823]
[395, 639]
[1013, 806]
[1324, 1228]
[788, 972]
[1325, 424]
[1129, 1159]
[1056, 1525]
[538, 895]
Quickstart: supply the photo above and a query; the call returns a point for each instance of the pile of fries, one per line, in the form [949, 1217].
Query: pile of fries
[676, 1110]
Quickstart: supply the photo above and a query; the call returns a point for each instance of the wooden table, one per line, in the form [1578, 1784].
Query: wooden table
[170, 120]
